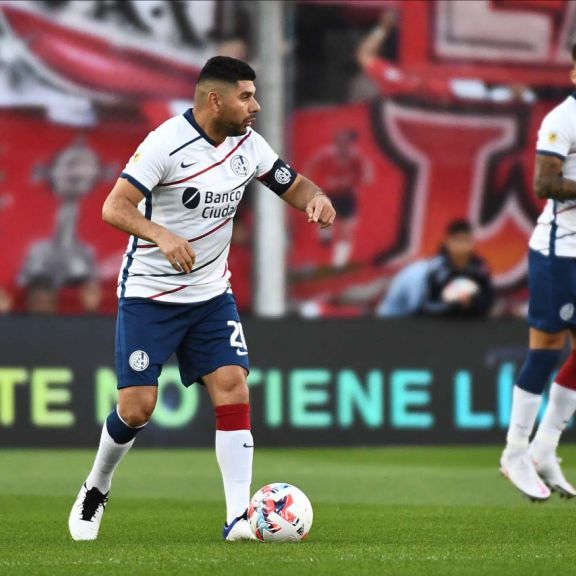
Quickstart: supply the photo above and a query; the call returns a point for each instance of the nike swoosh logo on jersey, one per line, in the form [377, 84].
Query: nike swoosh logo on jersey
[248, 445]
[182, 165]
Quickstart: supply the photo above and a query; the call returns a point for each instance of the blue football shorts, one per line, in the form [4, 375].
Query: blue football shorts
[552, 284]
[204, 336]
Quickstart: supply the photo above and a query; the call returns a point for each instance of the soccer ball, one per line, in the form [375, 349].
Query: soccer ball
[280, 513]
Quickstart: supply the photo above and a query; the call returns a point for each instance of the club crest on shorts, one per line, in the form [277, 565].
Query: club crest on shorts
[240, 165]
[139, 360]
[567, 312]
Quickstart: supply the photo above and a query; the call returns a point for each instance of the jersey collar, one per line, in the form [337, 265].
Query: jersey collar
[189, 115]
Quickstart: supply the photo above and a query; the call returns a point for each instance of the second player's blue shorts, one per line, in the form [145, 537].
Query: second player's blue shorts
[552, 284]
[204, 336]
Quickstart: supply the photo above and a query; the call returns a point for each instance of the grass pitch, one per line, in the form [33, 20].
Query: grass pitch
[376, 511]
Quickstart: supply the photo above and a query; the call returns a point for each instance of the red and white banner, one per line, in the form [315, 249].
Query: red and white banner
[499, 41]
[452, 136]
[81, 84]
[431, 165]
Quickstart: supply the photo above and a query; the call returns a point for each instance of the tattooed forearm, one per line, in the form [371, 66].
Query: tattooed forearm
[549, 181]
[556, 187]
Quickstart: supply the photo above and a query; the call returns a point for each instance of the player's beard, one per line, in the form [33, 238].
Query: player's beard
[238, 130]
[234, 128]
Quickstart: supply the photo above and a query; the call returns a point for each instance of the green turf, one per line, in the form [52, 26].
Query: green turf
[377, 511]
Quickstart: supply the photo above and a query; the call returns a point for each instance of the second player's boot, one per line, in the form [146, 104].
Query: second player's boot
[548, 468]
[518, 467]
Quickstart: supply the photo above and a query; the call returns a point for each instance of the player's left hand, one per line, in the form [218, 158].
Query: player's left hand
[320, 210]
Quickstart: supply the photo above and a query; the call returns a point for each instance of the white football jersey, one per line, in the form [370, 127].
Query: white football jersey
[555, 231]
[192, 187]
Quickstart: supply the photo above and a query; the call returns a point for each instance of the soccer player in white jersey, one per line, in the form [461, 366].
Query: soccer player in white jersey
[176, 198]
[534, 468]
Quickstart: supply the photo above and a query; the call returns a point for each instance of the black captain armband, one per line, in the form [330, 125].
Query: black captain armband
[280, 177]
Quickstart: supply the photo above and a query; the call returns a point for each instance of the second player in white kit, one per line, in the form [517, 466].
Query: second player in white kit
[534, 468]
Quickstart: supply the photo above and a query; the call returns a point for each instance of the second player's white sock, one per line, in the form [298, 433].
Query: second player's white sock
[525, 406]
[561, 407]
[234, 452]
[107, 459]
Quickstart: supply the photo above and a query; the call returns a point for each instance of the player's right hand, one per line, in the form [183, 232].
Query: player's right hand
[177, 251]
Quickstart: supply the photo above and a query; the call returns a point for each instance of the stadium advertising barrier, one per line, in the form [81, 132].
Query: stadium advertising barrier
[354, 382]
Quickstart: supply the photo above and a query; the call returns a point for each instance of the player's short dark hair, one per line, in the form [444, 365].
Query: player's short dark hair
[574, 52]
[226, 69]
[461, 226]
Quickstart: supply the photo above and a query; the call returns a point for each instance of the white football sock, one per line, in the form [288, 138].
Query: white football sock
[107, 459]
[234, 452]
[560, 409]
[525, 406]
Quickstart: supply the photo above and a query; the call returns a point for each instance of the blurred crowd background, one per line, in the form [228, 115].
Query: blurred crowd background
[418, 118]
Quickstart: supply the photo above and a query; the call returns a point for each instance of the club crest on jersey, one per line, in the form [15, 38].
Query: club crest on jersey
[240, 165]
[567, 312]
[139, 360]
[282, 175]
[191, 198]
